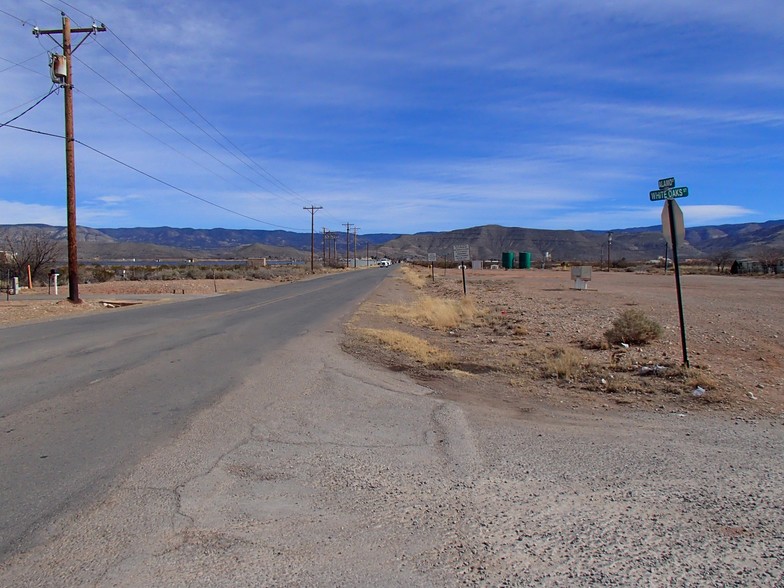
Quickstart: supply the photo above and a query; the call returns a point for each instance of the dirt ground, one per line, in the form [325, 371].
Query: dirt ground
[734, 326]
[40, 304]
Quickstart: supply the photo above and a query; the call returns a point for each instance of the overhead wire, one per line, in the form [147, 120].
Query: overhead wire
[260, 169]
[161, 141]
[249, 162]
[150, 176]
[170, 127]
[21, 114]
[22, 63]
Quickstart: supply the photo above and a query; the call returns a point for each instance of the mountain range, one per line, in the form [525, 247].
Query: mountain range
[485, 242]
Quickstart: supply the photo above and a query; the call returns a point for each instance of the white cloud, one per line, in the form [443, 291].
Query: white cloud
[15, 213]
[708, 214]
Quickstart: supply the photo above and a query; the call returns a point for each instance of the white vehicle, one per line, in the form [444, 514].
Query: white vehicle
[384, 263]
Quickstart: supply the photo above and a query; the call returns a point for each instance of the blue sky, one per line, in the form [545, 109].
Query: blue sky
[399, 116]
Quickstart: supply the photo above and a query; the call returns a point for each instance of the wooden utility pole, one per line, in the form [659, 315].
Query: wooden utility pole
[355, 246]
[324, 246]
[65, 79]
[312, 210]
[348, 242]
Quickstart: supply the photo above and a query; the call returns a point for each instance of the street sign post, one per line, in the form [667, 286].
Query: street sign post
[679, 228]
[431, 258]
[462, 254]
[669, 193]
[674, 232]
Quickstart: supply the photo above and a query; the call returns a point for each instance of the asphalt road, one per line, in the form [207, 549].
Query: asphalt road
[82, 400]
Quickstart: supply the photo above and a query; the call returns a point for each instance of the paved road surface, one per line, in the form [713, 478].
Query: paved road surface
[83, 399]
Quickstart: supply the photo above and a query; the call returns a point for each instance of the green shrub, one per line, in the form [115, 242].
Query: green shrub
[102, 274]
[634, 328]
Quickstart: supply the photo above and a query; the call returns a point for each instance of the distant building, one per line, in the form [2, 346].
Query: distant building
[754, 266]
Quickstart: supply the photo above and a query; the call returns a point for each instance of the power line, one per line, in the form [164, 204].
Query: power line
[268, 175]
[278, 185]
[174, 130]
[21, 64]
[20, 115]
[152, 177]
[24, 22]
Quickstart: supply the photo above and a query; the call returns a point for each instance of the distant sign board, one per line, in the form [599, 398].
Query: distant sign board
[461, 253]
[669, 193]
[431, 257]
[666, 183]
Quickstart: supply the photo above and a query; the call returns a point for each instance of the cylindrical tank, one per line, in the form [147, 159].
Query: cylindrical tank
[525, 260]
[507, 259]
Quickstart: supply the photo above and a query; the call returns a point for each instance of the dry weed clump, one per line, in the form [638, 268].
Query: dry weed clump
[436, 313]
[564, 362]
[634, 328]
[412, 346]
[414, 277]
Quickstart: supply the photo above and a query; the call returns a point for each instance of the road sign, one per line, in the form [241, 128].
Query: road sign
[461, 253]
[666, 183]
[431, 257]
[669, 194]
[680, 228]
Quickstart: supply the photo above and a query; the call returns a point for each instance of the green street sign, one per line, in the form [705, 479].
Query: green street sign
[669, 193]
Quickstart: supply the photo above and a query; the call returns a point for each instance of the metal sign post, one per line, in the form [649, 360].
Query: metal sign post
[431, 257]
[674, 231]
[462, 254]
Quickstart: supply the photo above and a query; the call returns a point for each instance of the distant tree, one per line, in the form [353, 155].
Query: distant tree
[722, 258]
[769, 257]
[35, 248]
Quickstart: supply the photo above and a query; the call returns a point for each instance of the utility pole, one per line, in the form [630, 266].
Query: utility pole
[324, 246]
[355, 246]
[348, 241]
[65, 79]
[312, 210]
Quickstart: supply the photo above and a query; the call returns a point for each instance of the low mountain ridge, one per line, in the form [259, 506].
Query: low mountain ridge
[486, 242]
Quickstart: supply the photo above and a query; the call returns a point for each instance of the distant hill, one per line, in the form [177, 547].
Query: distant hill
[635, 244]
[486, 242]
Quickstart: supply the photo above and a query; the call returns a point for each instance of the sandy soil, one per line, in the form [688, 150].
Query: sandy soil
[39, 304]
[735, 336]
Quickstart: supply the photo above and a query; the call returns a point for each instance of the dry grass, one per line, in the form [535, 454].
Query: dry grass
[436, 313]
[414, 277]
[564, 362]
[412, 346]
[696, 377]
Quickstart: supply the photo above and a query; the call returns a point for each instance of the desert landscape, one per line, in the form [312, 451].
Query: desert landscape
[526, 334]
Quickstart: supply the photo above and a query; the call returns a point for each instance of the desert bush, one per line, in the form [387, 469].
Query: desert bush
[633, 327]
[261, 273]
[167, 274]
[101, 274]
